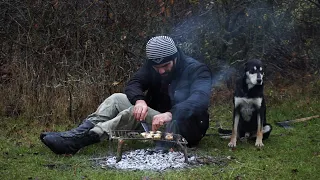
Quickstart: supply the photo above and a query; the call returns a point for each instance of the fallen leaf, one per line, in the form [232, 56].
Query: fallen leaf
[115, 83]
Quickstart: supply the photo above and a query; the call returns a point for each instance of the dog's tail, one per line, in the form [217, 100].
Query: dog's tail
[226, 133]
[267, 128]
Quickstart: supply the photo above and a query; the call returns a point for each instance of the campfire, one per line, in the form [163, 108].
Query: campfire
[142, 159]
[123, 135]
[147, 159]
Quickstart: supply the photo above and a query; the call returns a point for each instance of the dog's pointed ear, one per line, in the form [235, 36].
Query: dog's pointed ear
[245, 66]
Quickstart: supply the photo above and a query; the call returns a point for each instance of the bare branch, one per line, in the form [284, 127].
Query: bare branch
[315, 3]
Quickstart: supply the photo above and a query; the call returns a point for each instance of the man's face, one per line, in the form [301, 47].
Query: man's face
[164, 69]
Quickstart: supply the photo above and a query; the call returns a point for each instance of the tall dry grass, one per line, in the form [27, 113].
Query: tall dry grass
[60, 59]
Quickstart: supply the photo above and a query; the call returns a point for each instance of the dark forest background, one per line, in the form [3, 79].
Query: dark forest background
[60, 59]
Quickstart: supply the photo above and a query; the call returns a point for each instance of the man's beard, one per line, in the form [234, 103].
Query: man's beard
[167, 76]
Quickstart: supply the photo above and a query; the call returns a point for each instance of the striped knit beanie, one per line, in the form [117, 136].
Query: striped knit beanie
[161, 49]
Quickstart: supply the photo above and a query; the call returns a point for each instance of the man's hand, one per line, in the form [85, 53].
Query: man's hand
[160, 119]
[140, 110]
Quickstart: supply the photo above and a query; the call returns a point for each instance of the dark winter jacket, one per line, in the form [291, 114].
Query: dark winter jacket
[187, 96]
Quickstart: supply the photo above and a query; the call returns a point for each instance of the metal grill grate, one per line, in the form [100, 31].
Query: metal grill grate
[136, 135]
[122, 135]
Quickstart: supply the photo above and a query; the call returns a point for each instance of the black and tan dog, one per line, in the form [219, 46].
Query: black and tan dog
[249, 113]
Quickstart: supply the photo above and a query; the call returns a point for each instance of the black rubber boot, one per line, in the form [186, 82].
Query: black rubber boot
[70, 142]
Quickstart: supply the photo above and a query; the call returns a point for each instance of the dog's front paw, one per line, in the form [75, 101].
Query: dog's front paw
[232, 143]
[259, 143]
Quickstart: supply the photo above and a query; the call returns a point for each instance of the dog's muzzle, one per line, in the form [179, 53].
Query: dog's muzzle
[259, 79]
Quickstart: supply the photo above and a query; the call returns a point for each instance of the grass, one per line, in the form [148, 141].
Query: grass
[288, 153]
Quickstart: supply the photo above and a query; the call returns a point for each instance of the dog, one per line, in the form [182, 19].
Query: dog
[249, 113]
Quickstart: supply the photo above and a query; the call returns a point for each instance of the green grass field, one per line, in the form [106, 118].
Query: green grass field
[288, 153]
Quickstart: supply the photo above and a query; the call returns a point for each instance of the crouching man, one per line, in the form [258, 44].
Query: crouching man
[177, 91]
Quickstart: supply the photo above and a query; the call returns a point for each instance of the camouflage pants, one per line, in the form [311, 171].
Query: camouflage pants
[116, 113]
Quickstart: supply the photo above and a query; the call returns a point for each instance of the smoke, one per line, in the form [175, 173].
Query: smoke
[189, 34]
[222, 75]
[197, 35]
[219, 34]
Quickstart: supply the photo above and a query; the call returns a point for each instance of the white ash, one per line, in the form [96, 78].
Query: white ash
[141, 159]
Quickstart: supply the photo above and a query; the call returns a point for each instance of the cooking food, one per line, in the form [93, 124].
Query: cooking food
[149, 136]
[157, 136]
[169, 136]
[144, 134]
